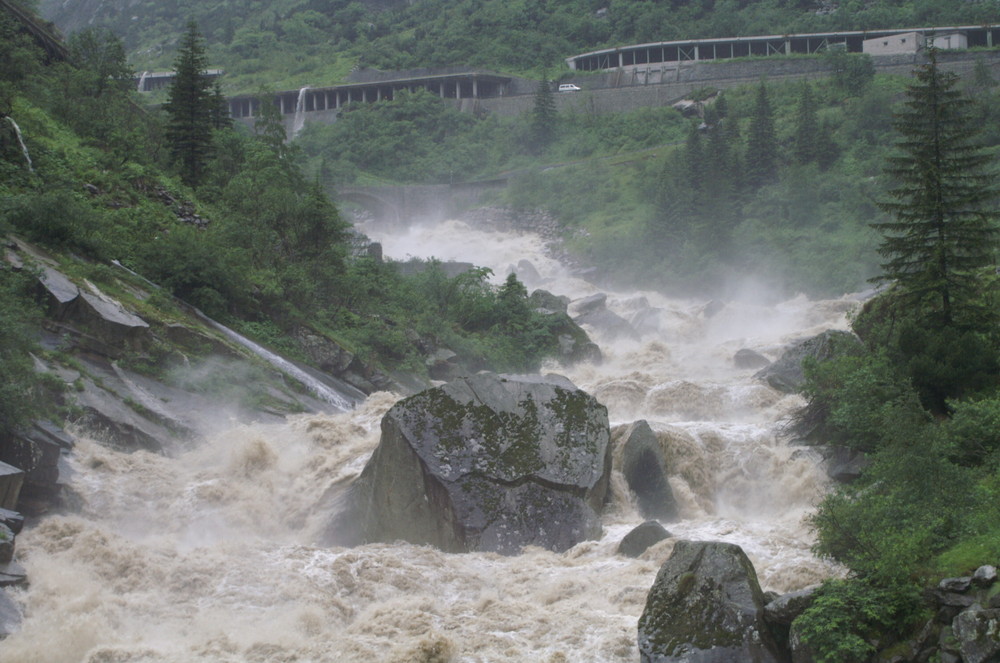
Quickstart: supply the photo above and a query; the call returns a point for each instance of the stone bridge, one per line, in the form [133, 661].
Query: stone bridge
[401, 205]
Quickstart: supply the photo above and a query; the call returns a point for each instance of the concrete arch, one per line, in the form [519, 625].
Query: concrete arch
[383, 211]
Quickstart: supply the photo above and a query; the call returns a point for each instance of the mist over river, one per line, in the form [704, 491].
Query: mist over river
[211, 555]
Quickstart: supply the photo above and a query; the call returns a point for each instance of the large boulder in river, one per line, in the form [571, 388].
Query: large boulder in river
[645, 471]
[706, 606]
[487, 462]
[787, 375]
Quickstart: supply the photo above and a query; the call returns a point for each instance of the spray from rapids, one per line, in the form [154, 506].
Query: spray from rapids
[210, 555]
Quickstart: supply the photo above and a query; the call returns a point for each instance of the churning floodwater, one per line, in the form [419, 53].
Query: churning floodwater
[210, 554]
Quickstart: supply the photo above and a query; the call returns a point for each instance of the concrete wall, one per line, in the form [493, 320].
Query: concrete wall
[910, 42]
[642, 86]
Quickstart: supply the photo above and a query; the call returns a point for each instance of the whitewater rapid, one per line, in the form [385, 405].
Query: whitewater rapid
[210, 554]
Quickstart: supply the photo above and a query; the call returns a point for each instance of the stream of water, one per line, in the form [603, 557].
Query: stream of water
[210, 555]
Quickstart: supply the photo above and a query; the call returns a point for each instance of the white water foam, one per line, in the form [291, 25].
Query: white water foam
[211, 555]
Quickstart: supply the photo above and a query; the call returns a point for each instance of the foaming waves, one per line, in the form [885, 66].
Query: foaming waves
[250, 482]
[101, 598]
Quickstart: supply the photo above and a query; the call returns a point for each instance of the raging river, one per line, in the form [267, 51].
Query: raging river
[211, 554]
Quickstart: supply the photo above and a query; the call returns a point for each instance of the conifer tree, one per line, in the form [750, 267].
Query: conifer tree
[220, 108]
[805, 141]
[543, 114]
[190, 106]
[944, 200]
[762, 144]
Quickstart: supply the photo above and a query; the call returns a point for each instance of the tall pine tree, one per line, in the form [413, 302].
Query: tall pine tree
[543, 114]
[762, 143]
[944, 201]
[192, 109]
[805, 140]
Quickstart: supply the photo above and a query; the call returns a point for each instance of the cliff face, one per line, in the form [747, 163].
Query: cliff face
[125, 362]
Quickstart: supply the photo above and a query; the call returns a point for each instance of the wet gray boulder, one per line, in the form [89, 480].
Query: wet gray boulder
[844, 464]
[641, 538]
[485, 463]
[6, 544]
[574, 344]
[544, 301]
[787, 607]
[593, 311]
[645, 471]
[984, 576]
[10, 615]
[977, 633]
[706, 606]
[786, 374]
[747, 358]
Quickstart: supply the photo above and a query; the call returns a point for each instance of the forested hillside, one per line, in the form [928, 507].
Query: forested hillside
[288, 43]
[220, 217]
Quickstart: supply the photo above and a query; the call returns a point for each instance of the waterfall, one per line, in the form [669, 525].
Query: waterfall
[142, 81]
[344, 397]
[335, 397]
[20, 140]
[300, 112]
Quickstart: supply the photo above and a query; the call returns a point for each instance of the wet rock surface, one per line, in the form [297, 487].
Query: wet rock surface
[641, 538]
[645, 471]
[486, 462]
[786, 374]
[706, 606]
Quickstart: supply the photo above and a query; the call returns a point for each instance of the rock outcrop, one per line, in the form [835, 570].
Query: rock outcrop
[786, 374]
[574, 344]
[706, 606]
[593, 311]
[486, 462]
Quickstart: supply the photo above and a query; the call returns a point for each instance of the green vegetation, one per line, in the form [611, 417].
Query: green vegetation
[189, 107]
[922, 399]
[224, 219]
[290, 43]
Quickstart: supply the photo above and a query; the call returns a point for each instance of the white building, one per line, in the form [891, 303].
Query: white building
[907, 42]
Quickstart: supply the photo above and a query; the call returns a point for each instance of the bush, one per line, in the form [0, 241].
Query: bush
[57, 219]
[847, 616]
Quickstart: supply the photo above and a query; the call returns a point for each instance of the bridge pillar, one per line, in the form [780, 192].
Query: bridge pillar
[475, 88]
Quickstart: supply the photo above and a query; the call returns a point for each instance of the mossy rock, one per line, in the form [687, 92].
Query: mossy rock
[488, 462]
[706, 606]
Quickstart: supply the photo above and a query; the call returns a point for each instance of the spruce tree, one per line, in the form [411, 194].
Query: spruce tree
[190, 106]
[762, 143]
[543, 114]
[943, 203]
[805, 140]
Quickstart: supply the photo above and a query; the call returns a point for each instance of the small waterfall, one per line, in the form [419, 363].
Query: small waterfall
[142, 81]
[20, 140]
[344, 397]
[300, 112]
[320, 389]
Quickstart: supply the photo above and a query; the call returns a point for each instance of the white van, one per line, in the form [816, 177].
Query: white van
[568, 87]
